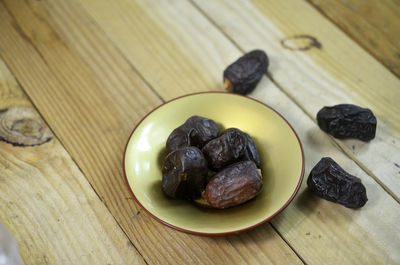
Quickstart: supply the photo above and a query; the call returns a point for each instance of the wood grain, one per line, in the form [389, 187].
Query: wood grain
[381, 245]
[375, 25]
[48, 205]
[339, 72]
[92, 98]
[180, 50]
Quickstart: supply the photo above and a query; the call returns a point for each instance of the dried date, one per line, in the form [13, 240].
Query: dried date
[331, 182]
[196, 131]
[251, 152]
[232, 146]
[243, 75]
[226, 149]
[233, 185]
[184, 173]
[347, 121]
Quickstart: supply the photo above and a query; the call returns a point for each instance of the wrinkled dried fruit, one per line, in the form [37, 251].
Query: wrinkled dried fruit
[226, 149]
[347, 121]
[243, 75]
[251, 152]
[233, 185]
[184, 173]
[196, 131]
[329, 181]
[232, 146]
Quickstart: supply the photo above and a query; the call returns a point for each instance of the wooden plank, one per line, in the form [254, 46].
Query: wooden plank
[334, 244]
[374, 25]
[339, 72]
[45, 201]
[177, 40]
[92, 99]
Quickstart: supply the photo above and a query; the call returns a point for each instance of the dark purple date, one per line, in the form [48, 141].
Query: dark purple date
[329, 181]
[196, 131]
[242, 76]
[184, 173]
[347, 121]
[232, 146]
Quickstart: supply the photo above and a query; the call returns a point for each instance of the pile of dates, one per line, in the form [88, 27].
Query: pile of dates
[220, 169]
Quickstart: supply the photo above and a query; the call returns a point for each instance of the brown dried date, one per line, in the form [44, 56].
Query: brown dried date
[233, 185]
[243, 75]
[232, 146]
[331, 182]
[251, 152]
[196, 131]
[184, 173]
[347, 121]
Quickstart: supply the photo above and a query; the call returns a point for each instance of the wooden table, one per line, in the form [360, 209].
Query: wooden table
[76, 76]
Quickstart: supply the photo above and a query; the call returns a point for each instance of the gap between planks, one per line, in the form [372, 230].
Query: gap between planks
[287, 242]
[70, 156]
[363, 46]
[135, 70]
[368, 172]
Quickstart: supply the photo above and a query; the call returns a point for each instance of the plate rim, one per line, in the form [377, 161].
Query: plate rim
[214, 233]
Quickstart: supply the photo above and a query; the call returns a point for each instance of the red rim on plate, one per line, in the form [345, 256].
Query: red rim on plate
[223, 233]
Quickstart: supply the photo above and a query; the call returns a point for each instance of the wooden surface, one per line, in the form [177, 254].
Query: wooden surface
[94, 68]
[47, 203]
[374, 25]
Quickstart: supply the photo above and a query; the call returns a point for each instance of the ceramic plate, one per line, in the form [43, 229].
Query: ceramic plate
[279, 147]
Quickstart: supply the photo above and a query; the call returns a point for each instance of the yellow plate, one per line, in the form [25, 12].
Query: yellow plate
[280, 150]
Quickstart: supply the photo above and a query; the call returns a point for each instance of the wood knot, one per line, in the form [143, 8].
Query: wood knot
[301, 43]
[22, 126]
